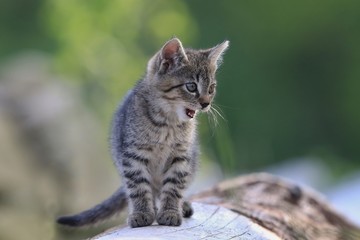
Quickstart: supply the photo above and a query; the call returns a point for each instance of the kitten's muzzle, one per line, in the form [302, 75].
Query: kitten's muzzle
[204, 101]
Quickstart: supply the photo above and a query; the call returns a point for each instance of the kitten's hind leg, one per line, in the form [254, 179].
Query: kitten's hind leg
[187, 210]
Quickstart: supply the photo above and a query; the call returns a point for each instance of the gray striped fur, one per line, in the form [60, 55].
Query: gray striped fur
[153, 138]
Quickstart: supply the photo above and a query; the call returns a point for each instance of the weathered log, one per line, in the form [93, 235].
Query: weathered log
[256, 206]
[208, 222]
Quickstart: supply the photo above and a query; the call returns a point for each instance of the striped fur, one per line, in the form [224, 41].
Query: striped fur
[153, 137]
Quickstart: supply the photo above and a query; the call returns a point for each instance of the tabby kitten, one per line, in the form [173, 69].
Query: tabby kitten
[153, 137]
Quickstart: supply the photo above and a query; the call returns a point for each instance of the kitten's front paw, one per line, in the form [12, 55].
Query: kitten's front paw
[169, 218]
[141, 219]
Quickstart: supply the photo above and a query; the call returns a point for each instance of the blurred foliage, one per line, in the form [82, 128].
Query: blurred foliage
[288, 87]
[20, 28]
[290, 81]
[105, 44]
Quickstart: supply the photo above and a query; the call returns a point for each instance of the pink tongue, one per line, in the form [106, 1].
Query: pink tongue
[190, 113]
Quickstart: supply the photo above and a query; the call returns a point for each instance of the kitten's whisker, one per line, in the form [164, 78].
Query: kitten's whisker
[212, 122]
[229, 107]
[218, 112]
[213, 117]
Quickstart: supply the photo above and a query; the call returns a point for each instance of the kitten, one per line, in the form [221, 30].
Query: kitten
[153, 139]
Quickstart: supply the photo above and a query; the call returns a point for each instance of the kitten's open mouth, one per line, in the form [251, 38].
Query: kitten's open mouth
[190, 113]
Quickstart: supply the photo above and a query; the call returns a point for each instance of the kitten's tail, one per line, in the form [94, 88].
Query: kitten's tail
[100, 212]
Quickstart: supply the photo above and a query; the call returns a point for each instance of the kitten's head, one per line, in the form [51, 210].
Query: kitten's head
[185, 78]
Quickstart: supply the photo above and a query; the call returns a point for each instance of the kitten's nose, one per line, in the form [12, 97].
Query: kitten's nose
[204, 101]
[204, 104]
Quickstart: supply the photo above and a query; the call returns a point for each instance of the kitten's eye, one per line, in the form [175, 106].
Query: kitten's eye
[212, 88]
[191, 87]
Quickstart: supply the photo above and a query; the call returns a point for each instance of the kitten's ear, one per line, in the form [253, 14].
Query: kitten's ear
[216, 53]
[172, 54]
[173, 49]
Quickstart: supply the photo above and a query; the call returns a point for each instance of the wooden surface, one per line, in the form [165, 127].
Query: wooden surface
[290, 211]
[255, 206]
[208, 222]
